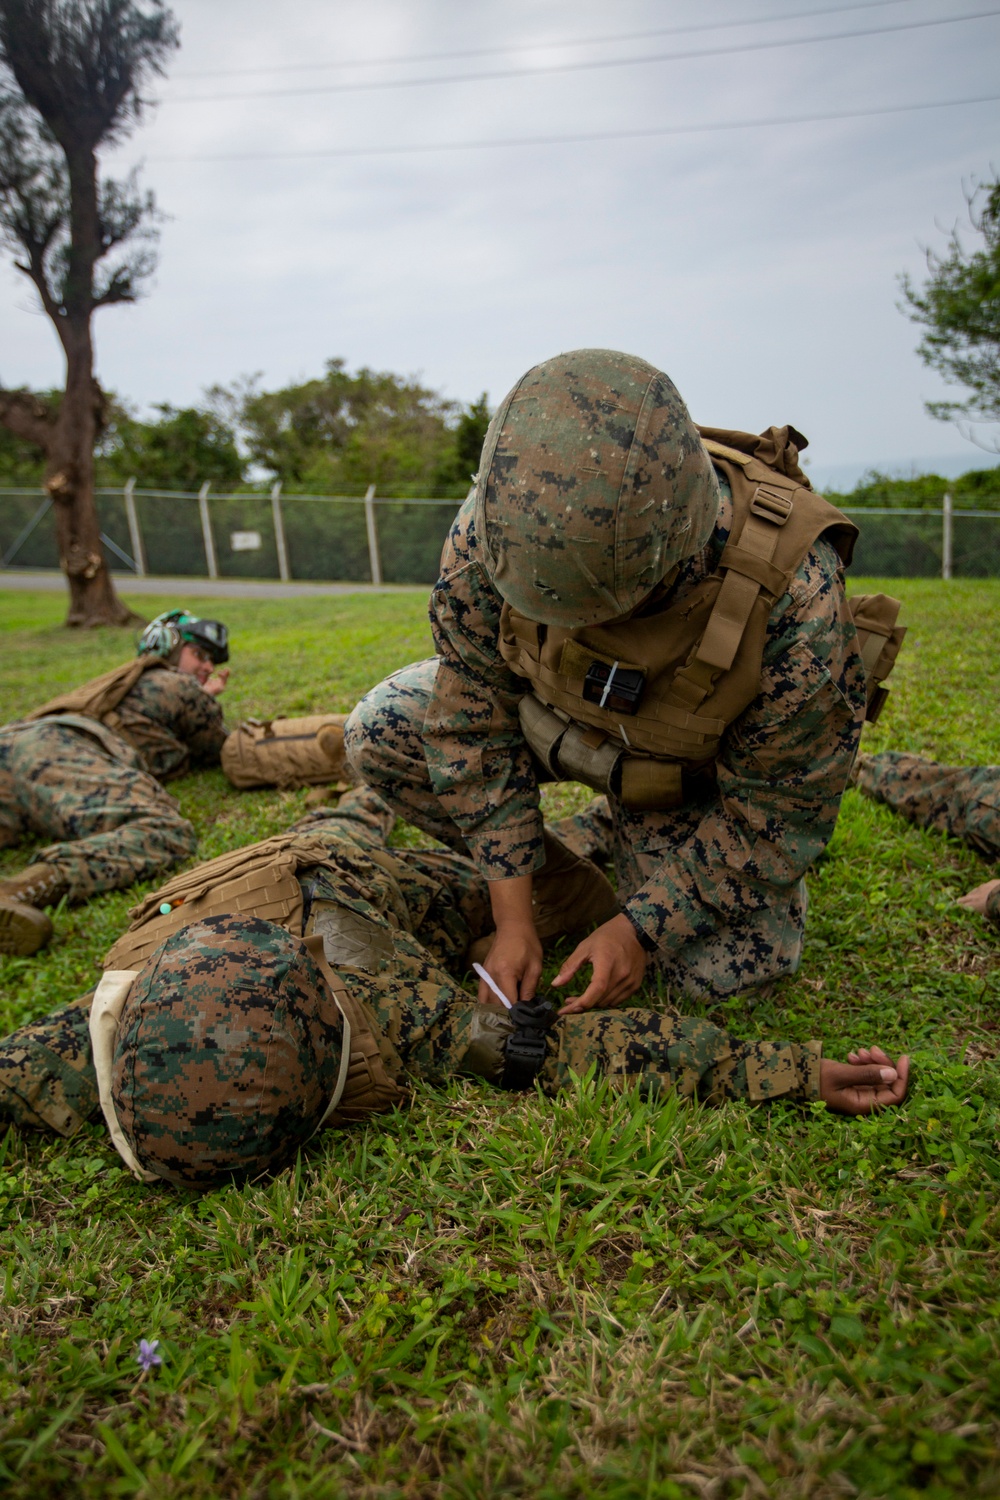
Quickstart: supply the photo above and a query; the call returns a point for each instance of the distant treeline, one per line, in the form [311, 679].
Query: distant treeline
[979, 489]
[334, 435]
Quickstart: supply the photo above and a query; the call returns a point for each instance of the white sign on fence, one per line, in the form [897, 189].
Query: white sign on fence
[245, 541]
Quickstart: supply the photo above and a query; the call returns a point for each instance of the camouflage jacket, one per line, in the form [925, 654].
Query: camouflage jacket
[172, 722]
[781, 770]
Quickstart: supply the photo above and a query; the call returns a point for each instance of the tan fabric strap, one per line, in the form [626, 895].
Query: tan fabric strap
[105, 1014]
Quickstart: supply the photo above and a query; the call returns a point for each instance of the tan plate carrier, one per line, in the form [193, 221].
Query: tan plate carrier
[262, 881]
[99, 698]
[702, 658]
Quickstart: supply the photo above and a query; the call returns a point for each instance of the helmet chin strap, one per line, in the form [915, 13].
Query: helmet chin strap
[105, 1014]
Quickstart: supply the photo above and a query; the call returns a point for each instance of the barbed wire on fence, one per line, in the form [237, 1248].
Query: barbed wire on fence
[374, 538]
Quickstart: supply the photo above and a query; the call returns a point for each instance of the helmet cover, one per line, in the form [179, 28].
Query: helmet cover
[227, 1054]
[593, 484]
[168, 631]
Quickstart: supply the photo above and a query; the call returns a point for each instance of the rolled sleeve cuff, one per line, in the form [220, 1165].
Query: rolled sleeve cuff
[503, 853]
[787, 1070]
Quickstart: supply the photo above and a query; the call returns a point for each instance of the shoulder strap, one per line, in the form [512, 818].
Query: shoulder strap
[98, 697]
[366, 1088]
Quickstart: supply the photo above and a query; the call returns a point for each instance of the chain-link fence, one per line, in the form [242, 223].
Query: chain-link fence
[329, 537]
[178, 534]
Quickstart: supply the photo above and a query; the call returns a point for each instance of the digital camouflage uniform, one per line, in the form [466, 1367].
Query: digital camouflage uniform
[173, 724]
[91, 785]
[714, 888]
[961, 800]
[424, 911]
[76, 781]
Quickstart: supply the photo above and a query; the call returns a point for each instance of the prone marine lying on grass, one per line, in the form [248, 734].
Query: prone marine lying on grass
[961, 800]
[86, 769]
[295, 984]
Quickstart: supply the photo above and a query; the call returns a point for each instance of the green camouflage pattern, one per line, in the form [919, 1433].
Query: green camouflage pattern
[714, 888]
[593, 483]
[963, 801]
[47, 1078]
[228, 1049]
[114, 823]
[172, 722]
[423, 910]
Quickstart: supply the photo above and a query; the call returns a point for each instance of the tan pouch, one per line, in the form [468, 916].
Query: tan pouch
[879, 640]
[287, 753]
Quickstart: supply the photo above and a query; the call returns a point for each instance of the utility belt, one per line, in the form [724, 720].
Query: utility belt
[568, 751]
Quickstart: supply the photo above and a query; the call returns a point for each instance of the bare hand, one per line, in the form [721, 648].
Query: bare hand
[869, 1080]
[217, 682]
[976, 900]
[618, 961]
[514, 962]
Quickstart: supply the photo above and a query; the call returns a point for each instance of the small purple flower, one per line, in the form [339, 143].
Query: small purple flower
[147, 1356]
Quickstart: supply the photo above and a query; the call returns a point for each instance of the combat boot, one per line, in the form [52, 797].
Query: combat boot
[569, 893]
[24, 927]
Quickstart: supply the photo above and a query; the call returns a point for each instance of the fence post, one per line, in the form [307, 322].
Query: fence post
[947, 536]
[284, 572]
[206, 531]
[374, 558]
[135, 535]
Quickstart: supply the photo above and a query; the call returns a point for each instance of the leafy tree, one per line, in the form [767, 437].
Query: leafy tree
[178, 452]
[72, 74]
[455, 474]
[343, 432]
[959, 307]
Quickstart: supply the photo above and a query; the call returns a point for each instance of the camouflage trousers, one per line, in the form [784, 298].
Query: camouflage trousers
[425, 908]
[961, 800]
[114, 822]
[383, 737]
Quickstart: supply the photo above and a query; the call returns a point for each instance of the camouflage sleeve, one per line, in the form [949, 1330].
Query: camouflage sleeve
[177, 703]
[479, 765]
[781, 773]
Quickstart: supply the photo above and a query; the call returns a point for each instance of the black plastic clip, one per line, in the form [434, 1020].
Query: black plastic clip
[617, 688]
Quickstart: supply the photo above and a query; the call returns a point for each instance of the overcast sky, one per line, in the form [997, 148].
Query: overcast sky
[757, 265]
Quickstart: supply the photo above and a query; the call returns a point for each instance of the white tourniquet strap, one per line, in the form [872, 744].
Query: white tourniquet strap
[105, 1014]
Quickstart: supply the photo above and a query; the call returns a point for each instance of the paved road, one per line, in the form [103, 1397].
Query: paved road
[213, 588]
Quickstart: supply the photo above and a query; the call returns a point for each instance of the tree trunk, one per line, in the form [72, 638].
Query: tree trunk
[69, 479]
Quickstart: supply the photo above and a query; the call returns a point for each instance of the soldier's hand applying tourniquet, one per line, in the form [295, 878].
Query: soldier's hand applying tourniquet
[618, 961]
[515, 959]
[868, 1080]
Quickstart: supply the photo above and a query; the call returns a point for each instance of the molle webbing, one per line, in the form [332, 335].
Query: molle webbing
[701, 658]
[260, 880]
[103, 694]
[368, 1089]
[286, 752]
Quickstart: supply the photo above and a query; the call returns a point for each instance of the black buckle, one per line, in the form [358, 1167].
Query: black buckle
[526, 1046]
[771, 505]
[617, 688]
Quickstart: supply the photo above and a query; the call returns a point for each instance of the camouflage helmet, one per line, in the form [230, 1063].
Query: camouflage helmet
[593, 483]
[228, 1051]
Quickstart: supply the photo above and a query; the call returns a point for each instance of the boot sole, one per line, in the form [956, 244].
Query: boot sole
[23, 929]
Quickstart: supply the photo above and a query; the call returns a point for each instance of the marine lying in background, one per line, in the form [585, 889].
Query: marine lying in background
[86, 769]
[963, 801]
[297, 984]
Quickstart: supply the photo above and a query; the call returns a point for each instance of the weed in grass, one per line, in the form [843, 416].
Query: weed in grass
[493, 1296]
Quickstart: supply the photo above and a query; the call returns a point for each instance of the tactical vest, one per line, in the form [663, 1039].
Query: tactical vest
[286, 752]
[261, 881]
[630, 706]
[99, 698]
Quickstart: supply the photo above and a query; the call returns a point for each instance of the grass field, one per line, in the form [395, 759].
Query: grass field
[487, 1296]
